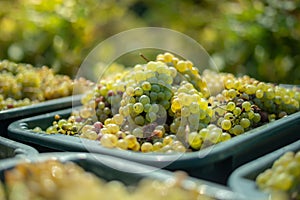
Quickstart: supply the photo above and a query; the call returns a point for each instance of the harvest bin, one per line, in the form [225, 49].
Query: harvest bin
[213, 163]
[130, 173]
[242, 179]
[10, 149]
[10, 115]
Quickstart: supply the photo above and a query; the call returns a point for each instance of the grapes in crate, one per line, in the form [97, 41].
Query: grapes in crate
[283, 177]
[23, 84]
[52, 179]
[167, 106]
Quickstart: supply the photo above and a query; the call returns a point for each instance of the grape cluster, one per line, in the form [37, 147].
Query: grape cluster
[23, 84]
[52, 179]
[284, 176]
[166, 106]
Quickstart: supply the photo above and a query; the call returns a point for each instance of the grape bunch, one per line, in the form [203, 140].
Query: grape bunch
[23, 84]
[167, 106]
[52, 179]
[284, 176]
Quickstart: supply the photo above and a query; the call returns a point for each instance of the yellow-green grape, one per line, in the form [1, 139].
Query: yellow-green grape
[224, 137]
[146, 147]
[231, 93]
[195, 140]
[109, 140]
[237, 111]
[122, 144]
[136, 146]
[181, 66]
[146, 86]
[246, 106]
[138, 91]
[37, 129]
[131, 140]
[51, 130]
[203, 132]
[229, 116]
[92, 135]
[112, 128]
[167, 140]
[256, 118]
[226, 124]
[157, 146]
[230, 106]
[270, 93]
[259, 94]
[118, 119]
[251, 89]
[229, 84]
[213, 136]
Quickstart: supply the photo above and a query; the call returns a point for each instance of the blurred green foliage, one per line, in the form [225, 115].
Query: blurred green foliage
[260, 37]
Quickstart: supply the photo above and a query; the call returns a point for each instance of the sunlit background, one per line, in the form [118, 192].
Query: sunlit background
[260, 38]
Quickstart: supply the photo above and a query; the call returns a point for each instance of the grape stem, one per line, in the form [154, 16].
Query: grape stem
[85, 123]
[146, 59]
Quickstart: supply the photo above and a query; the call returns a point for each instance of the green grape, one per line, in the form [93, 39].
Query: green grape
[154, 108]
[237, 111]
[139, 120]
[245, 123]
[144, 99]
[147, 107]
[153, 96]
[138, 132]
[230, 106]
[237, 130]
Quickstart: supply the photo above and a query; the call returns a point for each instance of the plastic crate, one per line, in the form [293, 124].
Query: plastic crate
[11, 149]
[214, 163]
[10, 115]
[242, 179]
[130, 173]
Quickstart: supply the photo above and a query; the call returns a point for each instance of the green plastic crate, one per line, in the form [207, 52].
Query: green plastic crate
[214, 164]
[10, 115]
[11, 149]
[242, 180]
[130, 173]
